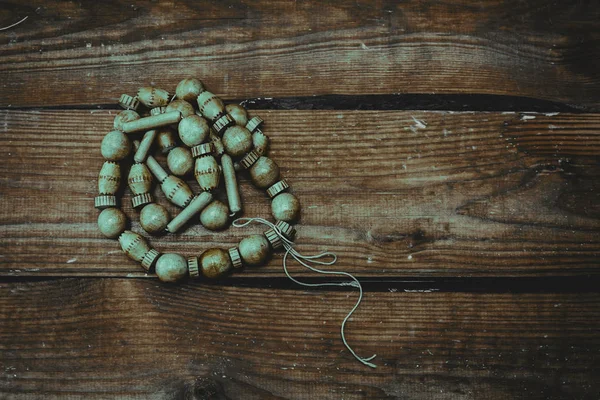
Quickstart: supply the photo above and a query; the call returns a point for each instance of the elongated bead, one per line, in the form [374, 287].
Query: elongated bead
[231, 185]
[109, 178]
[194, 207]
[177, 191]
[136, 248]
[140, 183]
[165, 139]
[210, 106]
[124, 117]
[153, 97]
[153, 121]
[207, 172]
[144, 147]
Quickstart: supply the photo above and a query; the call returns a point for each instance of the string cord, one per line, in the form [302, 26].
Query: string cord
[304, 260]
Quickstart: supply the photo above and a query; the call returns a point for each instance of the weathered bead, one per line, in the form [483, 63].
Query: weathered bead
[193, 268]
[141, 200]
[124, 117]
[194, 207]
[115, 146]
[237, 141]
[236, 259]
[157, 170]
[207, 172]
[134, 245]
[112, 222]
[215, 263]
[215, 216]
[177, 191]
[222, 123]
[144, 147]
[285, 207]
[277, 188]
[203, 149]
[180, 161]
[128, 102]
[153, 121]
[254, 124]
[105, 201]
[139, 179]
[254, 250]
[153, 97]
[193, 130]
[260, 142]
[218, 147]
[185, 108]
[171, 267]
[158, 110]
[249, 159]
[109, 178]
[210, 106]
[165, 139]
[231, 185]
[264, 172]
[154, 218]
[189, 89]
[238, 113]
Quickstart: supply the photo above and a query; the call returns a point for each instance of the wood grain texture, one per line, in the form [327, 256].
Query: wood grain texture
[395, 194]
[90, 52]
[115, 338]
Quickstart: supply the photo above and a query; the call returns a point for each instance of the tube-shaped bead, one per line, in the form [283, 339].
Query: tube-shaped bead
[153, 121]
[193, 208]
[144, 147]
[231, 185]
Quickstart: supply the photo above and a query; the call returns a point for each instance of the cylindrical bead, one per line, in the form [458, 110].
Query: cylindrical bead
[180, 161]
[139, 179]
[165, 139]
[153, 121]
[237, 141]
[157, 170]
[210, 106]
[193, 208]
[285, 207]
[207, 172]
[185, 108]
[171, 267]
[189, 89]
[215, 263]
[144, 147]
[153, 97]
[260, 142]
[193, 130]
[124, 117]
[112, 222]
[115, 146]
[154, 218]
[134, 245]
[264, 172]
[231, 185]
[238, 113]
[215, 216]
[254, 250]
[109, 178]
[177, 191]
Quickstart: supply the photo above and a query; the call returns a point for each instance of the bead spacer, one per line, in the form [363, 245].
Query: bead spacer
[236, 259]
[202, 150]
[149, 259]
[193, 269]
[141, 200]
[277, 188]
[249, 159]
[158, 110]
[287, 230]
[254, 124]
[223, 123]
[128, 102]
[104, 201]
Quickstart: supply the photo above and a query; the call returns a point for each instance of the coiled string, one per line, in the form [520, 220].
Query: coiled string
[288, 245]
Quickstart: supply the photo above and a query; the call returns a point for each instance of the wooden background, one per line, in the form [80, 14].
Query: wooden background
[447, 151]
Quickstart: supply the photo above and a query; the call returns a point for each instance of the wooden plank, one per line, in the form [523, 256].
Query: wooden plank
[429, 194]
[107, 338]
[88, 53]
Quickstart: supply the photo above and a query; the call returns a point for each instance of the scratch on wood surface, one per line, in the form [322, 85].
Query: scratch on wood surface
[72, 260]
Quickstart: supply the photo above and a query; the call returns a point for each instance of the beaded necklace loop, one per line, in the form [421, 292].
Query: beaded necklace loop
[217, 141]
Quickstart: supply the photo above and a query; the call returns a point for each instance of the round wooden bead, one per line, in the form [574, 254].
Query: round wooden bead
[165, 139]
[124, 117]
[260, 142]
[115, 146]
[193, 130]
[285, 207]
[109, 178]
[171, 267]
[215, 263]
[210, 106]
[185, 108]
[154, 218]
[254, 249]
[139, 179]
[180, 161]
[215, 216]
[189, 89]
[264, 172]
[207, 172]
[237, 141]
[238, 113]
[153, 97]
[112, 222]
